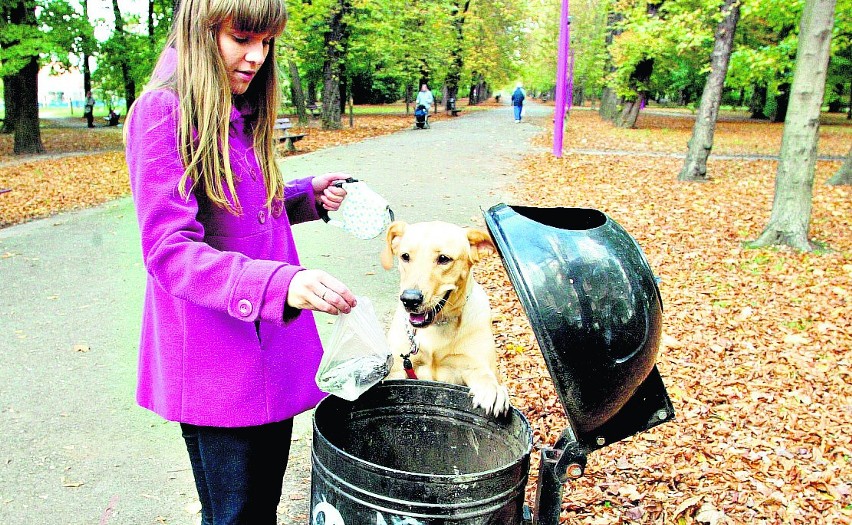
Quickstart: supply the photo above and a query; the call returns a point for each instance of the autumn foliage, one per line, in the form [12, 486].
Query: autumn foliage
[86, 167]
[756, 345]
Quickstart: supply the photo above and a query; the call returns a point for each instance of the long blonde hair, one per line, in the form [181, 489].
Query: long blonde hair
[201, 83]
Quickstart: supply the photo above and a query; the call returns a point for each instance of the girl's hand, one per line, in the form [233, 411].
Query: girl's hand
[329, 196]
[317, 290]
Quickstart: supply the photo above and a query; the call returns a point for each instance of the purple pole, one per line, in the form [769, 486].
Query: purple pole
[561, 80]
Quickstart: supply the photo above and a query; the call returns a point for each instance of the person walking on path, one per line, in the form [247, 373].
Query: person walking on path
[89, 110]
[229, 347]
[518, 102]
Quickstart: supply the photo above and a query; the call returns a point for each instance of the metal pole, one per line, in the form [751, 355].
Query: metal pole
[561, 79]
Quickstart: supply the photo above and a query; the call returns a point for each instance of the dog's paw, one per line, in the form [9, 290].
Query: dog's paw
[493, 398]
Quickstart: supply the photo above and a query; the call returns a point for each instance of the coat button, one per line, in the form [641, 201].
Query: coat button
[244, 307]
[261, 216]
[277, 208]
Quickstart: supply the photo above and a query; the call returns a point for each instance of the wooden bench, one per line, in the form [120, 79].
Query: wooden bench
[314, 109]
[455, 112]
[282, 129]
[112, 119]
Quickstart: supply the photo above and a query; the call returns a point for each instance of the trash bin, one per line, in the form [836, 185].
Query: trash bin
[417, 453]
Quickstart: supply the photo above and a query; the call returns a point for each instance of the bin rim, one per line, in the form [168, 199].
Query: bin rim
[421, 476]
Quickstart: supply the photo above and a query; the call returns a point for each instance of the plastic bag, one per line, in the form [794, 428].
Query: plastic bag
[357, 355]
[363, 213]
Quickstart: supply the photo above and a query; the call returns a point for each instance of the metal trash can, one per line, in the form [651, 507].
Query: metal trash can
[402, 453]
[416, 452]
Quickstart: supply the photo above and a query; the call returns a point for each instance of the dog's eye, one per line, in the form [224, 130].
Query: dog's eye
[405, 257]
[443, 259]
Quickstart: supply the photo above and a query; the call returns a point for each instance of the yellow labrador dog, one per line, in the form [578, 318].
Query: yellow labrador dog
[441, 330]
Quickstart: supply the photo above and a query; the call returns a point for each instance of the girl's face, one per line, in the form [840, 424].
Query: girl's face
[243, 54]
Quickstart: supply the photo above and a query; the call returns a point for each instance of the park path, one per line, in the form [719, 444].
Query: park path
[76, 449]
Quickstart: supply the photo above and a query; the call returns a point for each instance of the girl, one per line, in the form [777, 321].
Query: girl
[227, 347]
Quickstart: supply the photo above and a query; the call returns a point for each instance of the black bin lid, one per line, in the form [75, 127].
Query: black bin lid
[596, 311]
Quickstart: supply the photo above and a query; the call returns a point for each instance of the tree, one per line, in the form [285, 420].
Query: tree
[458, 11]
[695, 165]
[296, 91]
[21, 44]
[789, 221]
[844, 174]
[121, 40]
[333, 66]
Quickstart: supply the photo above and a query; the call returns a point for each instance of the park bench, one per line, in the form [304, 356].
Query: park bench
[454, 111]
[314, 109]
[282, 130]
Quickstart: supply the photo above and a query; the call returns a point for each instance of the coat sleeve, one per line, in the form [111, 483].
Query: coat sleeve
[174, 250]
[300, 201]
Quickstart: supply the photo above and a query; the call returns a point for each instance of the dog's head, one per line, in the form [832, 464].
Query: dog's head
[435, 261]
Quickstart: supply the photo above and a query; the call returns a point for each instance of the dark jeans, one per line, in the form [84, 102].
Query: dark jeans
[239, 471]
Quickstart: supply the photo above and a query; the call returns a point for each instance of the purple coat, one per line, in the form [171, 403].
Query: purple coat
[215, 348]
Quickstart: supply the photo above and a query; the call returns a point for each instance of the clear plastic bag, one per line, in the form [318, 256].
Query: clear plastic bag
[357, 355]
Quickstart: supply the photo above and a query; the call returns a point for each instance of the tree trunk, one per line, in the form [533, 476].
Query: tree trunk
[609, 104]
[579, 96]
[151, 37]
[638, 83]
[296, 92]
[844, 174]
[701, 143]
[312, 92]
[630, 113]
[344, 89]
[782, 102]
[25, 89]
[790, 219]
[27, 132]
[836, 103]
[458, 13]
[758, 102]
[335, 44]
[129, 83]
[849, 106]
[87, 70]
[10, 88]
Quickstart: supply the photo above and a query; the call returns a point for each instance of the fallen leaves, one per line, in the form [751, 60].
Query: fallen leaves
[755, 353]
[41, 188]
[85, 167]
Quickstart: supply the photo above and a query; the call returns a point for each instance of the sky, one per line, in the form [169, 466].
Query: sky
[102, 9]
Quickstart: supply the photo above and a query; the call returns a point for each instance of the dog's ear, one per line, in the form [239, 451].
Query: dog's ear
[480, 244]
[395, 231]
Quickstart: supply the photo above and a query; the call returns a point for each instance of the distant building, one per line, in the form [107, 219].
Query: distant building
[61, 89]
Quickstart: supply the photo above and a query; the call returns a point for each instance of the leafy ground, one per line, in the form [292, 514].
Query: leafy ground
[756, 346]
[85, 167]
[756, 349]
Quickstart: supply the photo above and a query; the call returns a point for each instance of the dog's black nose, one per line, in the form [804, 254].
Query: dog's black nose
[411, 299]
